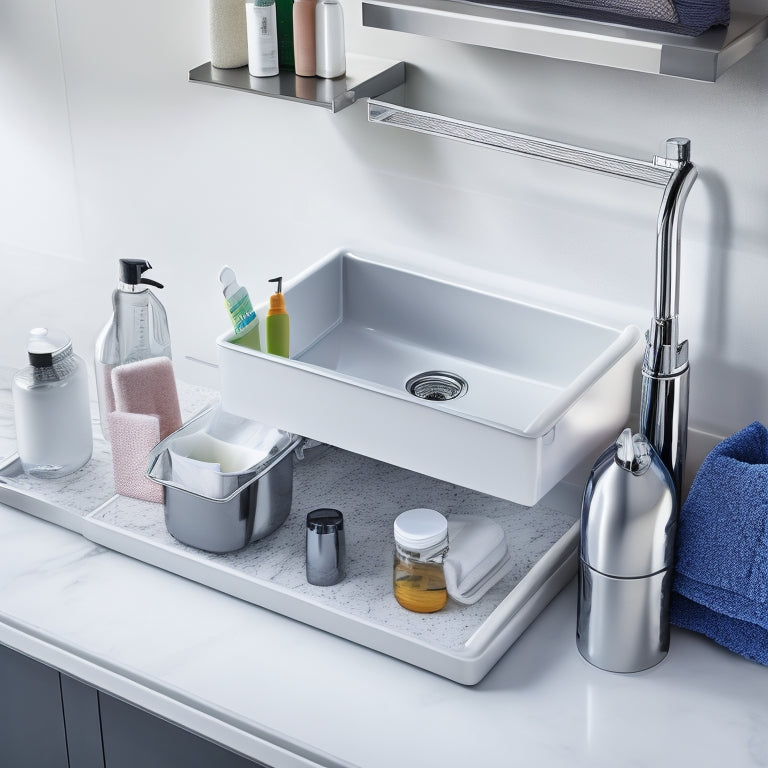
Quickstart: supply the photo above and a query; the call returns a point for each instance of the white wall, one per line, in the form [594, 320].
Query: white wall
[107, 151]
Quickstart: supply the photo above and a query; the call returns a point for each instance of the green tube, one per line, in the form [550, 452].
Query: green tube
[244, 319]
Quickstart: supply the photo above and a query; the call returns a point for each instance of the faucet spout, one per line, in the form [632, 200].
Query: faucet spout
[665, 385]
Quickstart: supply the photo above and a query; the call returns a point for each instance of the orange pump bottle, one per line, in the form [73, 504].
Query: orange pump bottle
[278, 324]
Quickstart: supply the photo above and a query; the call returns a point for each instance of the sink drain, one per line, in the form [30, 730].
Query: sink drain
[437, 385]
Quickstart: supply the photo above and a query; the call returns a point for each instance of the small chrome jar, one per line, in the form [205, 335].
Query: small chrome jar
[421, 544]
[326, 547]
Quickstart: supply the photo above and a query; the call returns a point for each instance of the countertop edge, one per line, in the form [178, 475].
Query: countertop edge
[277, 750]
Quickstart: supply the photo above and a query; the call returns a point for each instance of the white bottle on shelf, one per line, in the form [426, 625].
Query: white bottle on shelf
[304, 51]
[229, 48]
[261, 24]
[329, 39]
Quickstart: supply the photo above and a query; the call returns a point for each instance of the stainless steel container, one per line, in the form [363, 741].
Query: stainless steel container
[628, 523]
[261, 497]
[326, 547]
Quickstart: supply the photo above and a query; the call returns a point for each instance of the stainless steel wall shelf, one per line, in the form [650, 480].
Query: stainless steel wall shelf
[697, 58]
[366, 77]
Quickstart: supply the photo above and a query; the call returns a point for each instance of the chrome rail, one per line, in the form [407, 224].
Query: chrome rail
[649, 172]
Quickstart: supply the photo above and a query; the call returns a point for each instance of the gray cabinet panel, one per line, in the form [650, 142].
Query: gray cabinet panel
[82, 724]
[133, 738]
[31, 718]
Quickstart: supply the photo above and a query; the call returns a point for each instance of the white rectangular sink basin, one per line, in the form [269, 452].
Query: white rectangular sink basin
[544, 390]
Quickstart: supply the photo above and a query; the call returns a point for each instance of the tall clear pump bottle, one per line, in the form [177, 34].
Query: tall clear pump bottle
[137, 330]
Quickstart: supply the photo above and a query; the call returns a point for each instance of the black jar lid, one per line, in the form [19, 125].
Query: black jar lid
[325, 520]
[46, 346]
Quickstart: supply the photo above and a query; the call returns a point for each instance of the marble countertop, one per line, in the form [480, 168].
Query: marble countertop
[290, 695]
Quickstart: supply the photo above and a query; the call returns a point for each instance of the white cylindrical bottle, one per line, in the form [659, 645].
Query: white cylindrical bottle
[229, 48]
[261, 24]
[329, 39]
[51, 407]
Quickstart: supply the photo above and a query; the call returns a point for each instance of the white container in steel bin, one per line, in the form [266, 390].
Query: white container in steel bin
[228, 480]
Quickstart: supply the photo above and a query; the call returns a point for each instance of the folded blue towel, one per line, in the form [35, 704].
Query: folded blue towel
[683, 17]
[698, 16]
[721, 571]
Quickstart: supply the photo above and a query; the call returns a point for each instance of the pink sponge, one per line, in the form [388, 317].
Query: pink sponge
[133, 436]
[146, 411]
[148, 386]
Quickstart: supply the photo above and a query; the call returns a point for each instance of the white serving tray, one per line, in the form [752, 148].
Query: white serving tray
[461, 643]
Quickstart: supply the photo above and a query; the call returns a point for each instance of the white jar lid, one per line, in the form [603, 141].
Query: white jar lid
[420, 529]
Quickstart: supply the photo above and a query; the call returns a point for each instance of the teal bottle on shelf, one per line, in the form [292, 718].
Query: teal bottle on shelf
[284, 10]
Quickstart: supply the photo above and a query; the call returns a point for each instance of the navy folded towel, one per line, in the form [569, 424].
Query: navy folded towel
[683, 17]
[698, 16]
[721, 573]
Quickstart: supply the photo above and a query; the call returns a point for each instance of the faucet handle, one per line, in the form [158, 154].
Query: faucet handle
[677, 152]
[679, 149]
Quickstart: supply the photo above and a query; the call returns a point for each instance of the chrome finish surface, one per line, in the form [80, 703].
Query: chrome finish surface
[664, 392]
[622, 625]
[531, 146]
[366, 76]
[704, 57]
[326, 547]
[256, 510]
[666, 357]
[437, 385]
[628, 525]
[664, 419]
[629, 513]
[258, 506]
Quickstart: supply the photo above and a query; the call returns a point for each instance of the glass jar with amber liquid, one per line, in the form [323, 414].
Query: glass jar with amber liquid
[421, 543]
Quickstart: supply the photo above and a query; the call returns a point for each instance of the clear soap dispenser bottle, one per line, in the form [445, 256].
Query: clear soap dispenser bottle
[137, 330]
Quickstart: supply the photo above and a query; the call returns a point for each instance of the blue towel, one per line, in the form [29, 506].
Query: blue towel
[682, 17]
[721, 573]
[698, 16]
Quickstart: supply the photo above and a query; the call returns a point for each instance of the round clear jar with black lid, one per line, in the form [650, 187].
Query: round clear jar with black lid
[421, 544]
[51, 407]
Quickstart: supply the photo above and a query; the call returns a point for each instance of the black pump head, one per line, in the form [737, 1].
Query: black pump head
[131, 271]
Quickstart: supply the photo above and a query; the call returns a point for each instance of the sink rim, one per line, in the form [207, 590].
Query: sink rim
[543, 423]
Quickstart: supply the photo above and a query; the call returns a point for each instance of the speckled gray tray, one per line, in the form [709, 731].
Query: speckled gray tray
[460, 642]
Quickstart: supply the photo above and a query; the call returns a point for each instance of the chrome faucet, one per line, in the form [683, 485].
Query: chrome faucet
[664, 395]
[664, 400]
